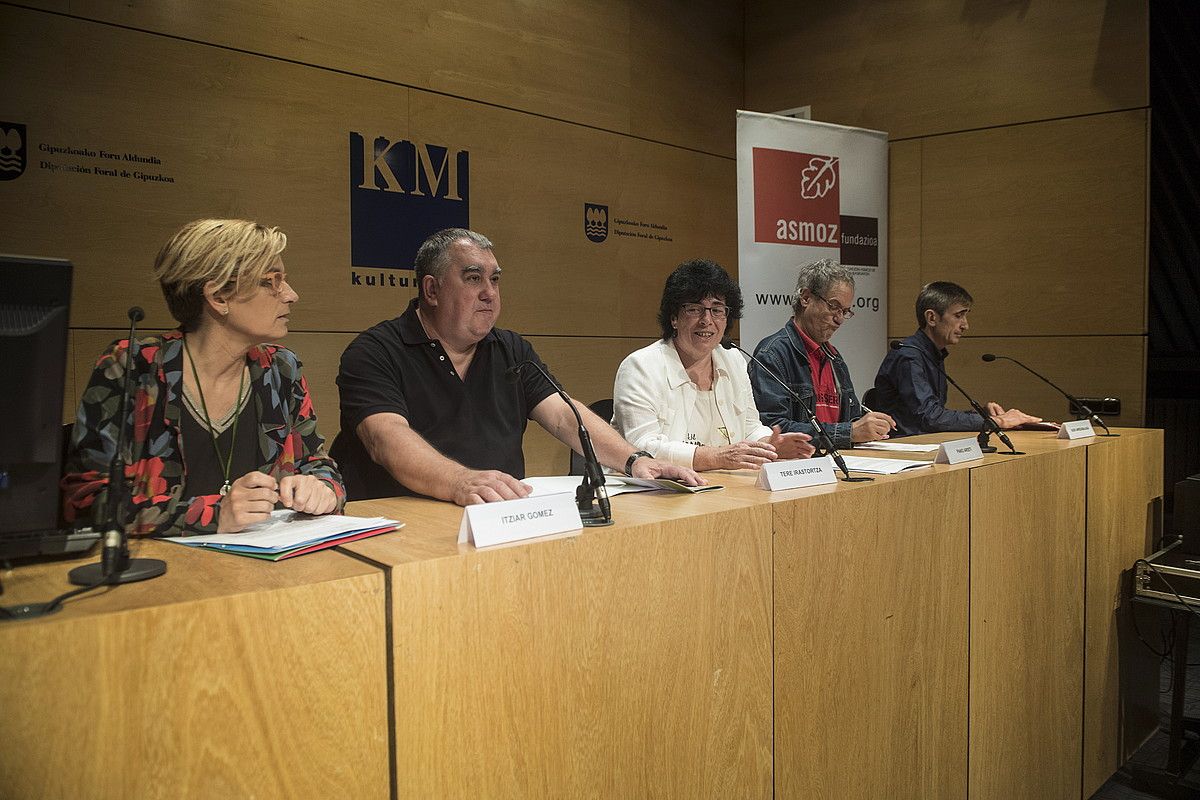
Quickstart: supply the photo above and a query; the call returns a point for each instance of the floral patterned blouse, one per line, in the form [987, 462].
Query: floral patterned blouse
[288, 442]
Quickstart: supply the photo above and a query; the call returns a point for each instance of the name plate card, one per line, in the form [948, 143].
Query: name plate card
[958, 451]
[490, 524]
[1077, 429]
[779, 475]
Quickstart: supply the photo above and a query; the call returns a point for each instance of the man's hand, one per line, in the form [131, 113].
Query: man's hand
[739, 455]
[307, 494]
[1013, 418]
[652, 469]
[472, 486]
[871, 427]
[790, 445]
[251, 499]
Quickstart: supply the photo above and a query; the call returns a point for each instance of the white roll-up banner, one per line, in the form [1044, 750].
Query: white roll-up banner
[807, 191]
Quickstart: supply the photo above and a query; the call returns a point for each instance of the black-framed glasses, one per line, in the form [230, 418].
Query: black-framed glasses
[837, 308]
[695, 310]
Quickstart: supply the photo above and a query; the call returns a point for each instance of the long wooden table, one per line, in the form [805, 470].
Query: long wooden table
[945, 633]
[955, 631]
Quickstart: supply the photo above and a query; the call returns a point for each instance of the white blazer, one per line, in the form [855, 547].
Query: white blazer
[653, 400]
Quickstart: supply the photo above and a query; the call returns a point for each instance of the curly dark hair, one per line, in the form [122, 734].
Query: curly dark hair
[691, 282]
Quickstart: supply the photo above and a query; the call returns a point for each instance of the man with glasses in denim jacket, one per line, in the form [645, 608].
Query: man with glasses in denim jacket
[801, 354]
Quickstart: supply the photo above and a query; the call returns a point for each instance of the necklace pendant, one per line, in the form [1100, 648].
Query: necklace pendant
[224, 488]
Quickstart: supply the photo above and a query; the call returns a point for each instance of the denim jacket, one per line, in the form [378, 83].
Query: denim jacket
[783, 352]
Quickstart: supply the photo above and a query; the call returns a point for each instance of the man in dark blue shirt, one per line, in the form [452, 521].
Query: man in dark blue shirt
[911, 383]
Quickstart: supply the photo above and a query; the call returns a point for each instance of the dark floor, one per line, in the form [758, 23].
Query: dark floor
[1132, 782]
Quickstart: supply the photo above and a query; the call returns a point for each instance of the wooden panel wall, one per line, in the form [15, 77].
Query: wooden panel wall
[1062, 206]
[918, 67]
[1018, 168]
[1027, 216]
[1044, 224]
[649, 69]
[585, 104]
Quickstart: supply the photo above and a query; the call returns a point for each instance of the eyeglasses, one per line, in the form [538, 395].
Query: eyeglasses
[837, 308]
[274, 281]
[695, 311]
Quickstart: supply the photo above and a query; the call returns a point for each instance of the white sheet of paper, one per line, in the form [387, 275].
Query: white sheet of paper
[286, 528]
[1076, 429]
[490, 524]
[776, 476]
[567, 484]
[957, 451]
[896, 447]
[648, 484]
[883, 466]
[613, 484]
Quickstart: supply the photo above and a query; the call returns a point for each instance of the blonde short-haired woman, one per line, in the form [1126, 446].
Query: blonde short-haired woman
[238, 408]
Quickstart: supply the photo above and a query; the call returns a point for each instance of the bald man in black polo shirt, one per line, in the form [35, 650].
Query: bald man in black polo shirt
[426, 404]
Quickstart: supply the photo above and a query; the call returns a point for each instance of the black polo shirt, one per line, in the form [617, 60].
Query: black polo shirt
[478, 421]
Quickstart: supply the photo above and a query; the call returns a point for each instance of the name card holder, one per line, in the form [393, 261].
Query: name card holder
[776, 476]
[1076, 429]
[507, 521]
[959, 450]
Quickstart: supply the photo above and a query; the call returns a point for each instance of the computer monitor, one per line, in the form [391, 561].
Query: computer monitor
[35, 301]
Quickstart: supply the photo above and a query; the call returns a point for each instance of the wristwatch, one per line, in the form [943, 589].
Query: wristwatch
[634, 457]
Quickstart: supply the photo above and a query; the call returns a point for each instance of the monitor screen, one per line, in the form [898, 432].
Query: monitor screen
[35, 299]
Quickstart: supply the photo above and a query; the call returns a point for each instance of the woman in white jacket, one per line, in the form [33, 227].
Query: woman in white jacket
[687, 400]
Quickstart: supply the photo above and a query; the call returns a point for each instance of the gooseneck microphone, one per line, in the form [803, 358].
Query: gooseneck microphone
[591, 498]
[115, 565]
[1072, 399]
[988, 426]
[823, 440]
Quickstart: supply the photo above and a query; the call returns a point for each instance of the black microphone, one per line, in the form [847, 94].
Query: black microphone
[1074, 401]
[592, 489]
[989, 424]
[115, 565]
[823, 440]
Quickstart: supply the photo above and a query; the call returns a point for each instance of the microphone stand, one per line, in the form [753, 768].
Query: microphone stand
[988, 426]
[591, 498]
[116, 567]
[1077, 407]
[823, 440]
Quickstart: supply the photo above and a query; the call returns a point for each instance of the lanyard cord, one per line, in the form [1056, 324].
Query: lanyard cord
[237, 410]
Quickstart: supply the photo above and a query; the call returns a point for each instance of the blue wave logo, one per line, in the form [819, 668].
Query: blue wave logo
[595, 222]
[12, 150]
